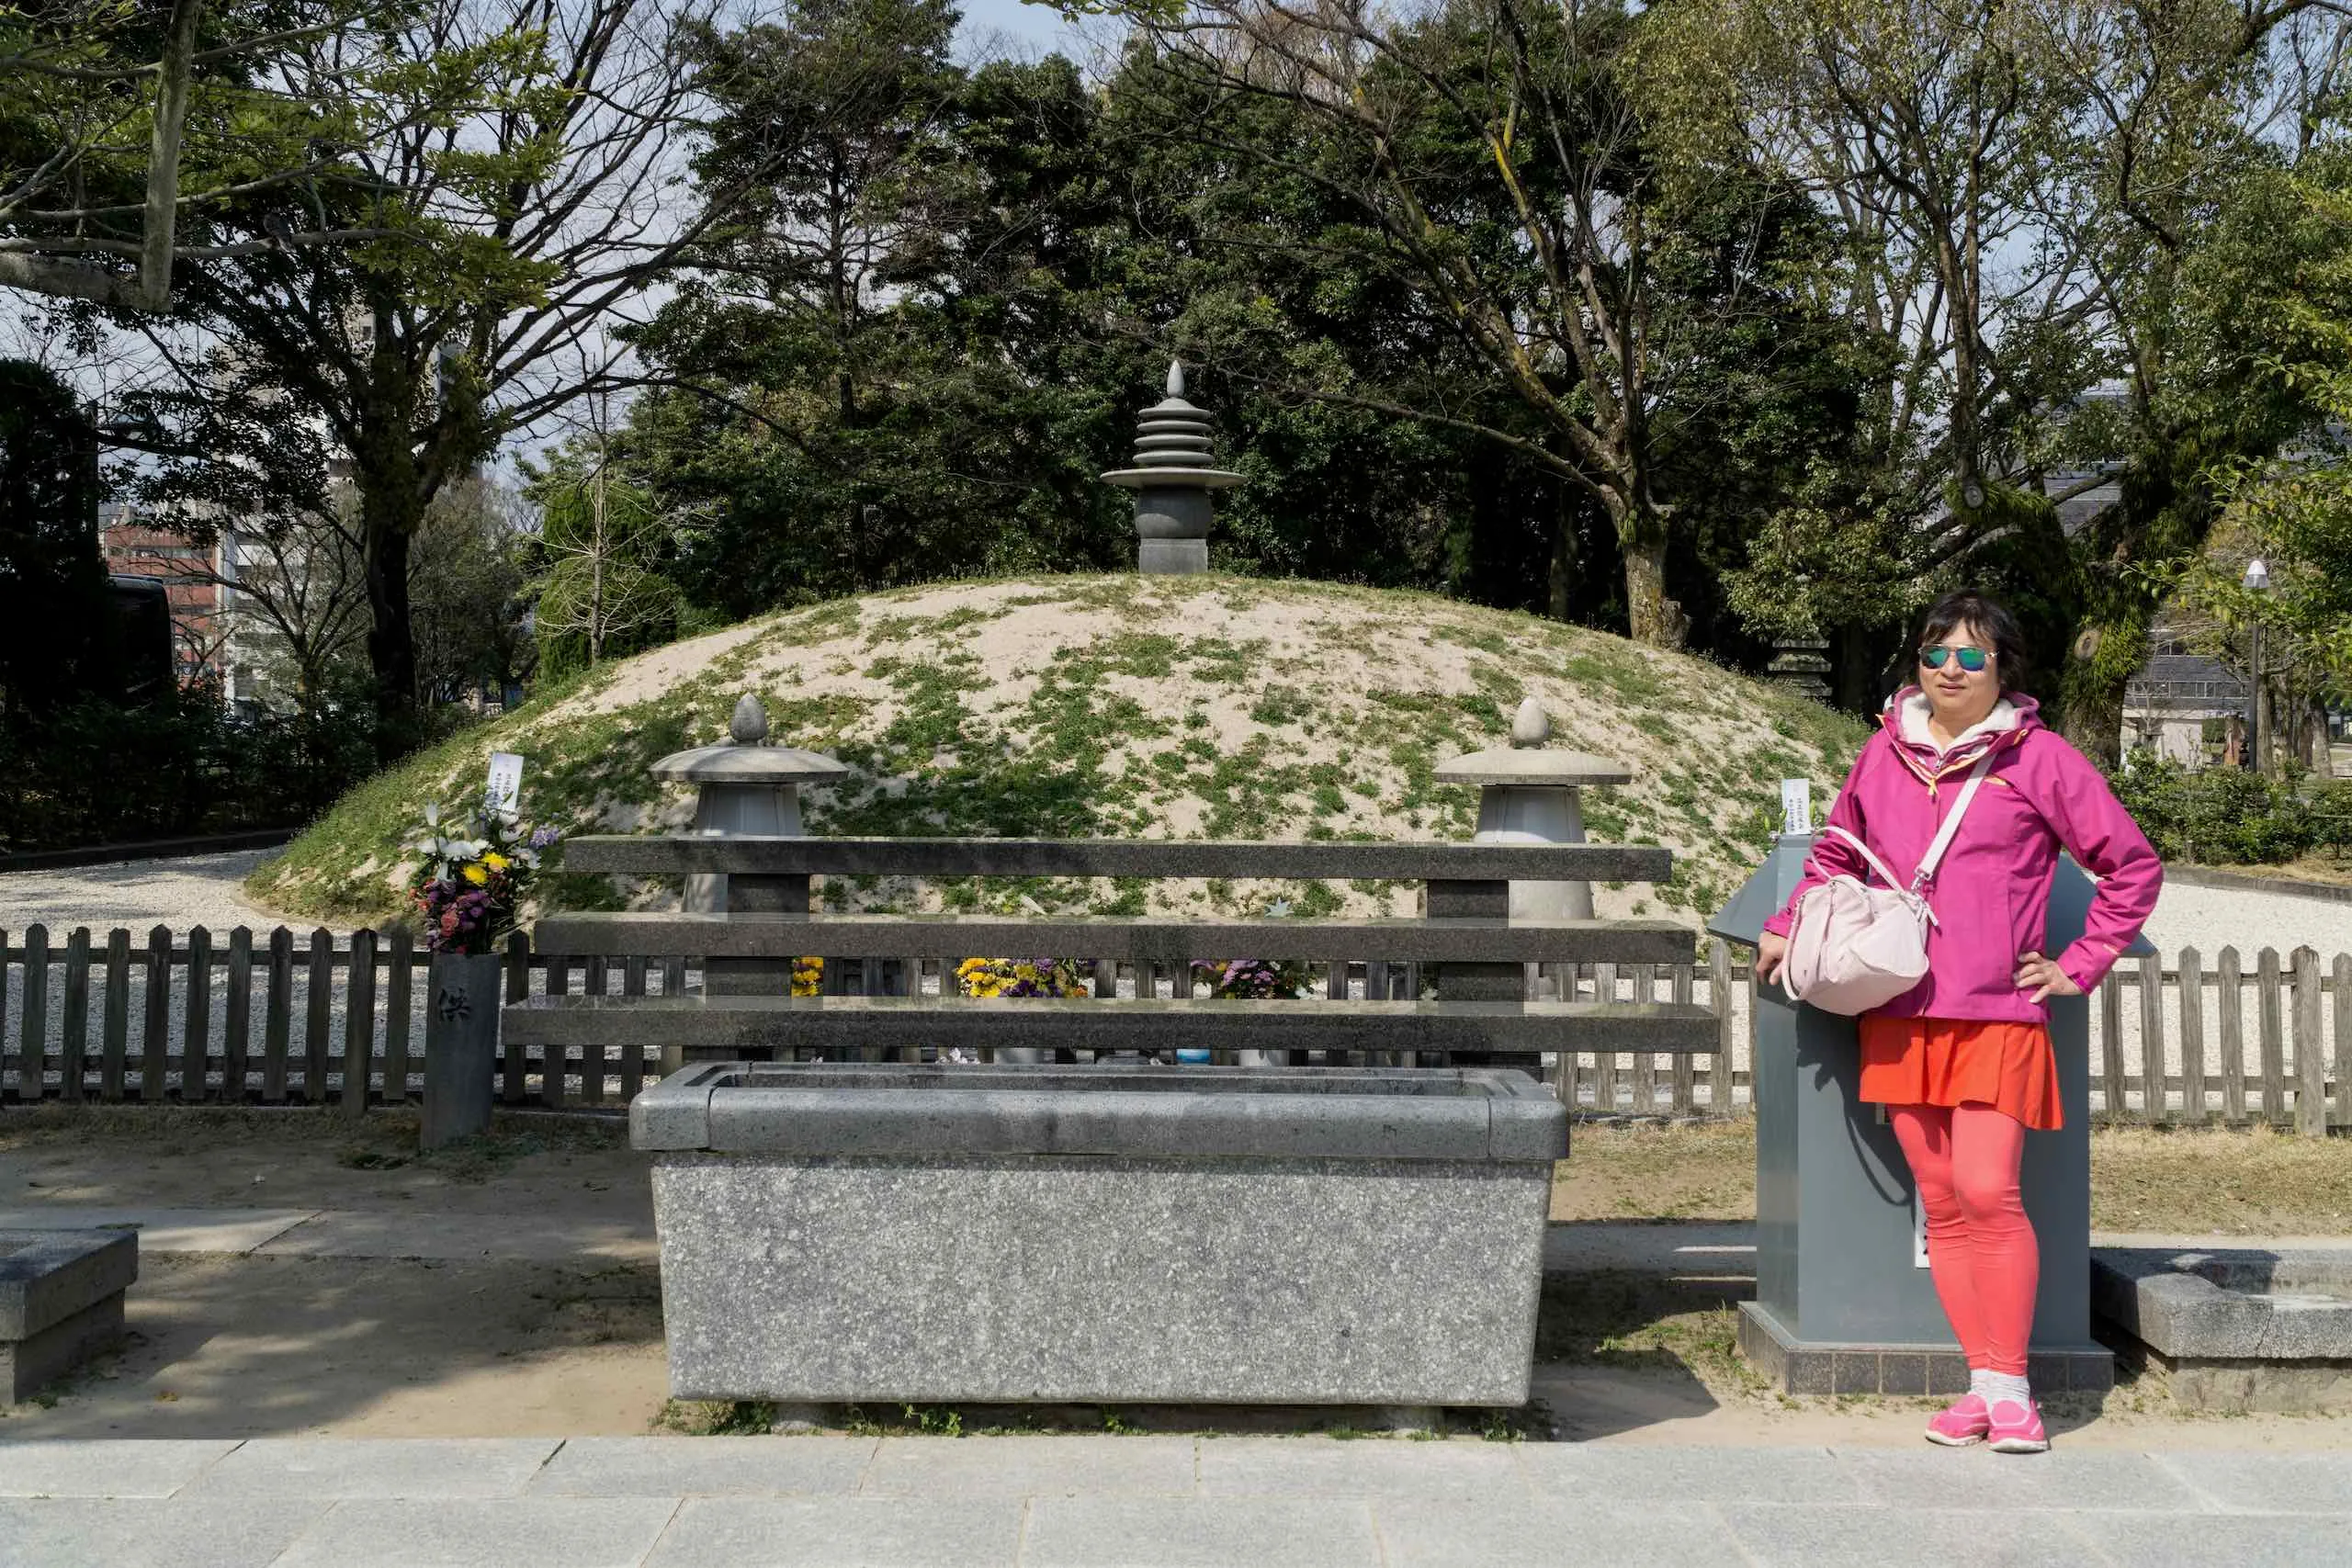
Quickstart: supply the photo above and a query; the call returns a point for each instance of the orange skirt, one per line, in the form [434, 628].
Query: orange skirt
[1953, 1061]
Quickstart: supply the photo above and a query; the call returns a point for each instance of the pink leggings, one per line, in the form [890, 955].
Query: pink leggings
[1980, 1245]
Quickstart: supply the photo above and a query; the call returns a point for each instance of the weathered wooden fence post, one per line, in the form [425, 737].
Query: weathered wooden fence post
[2311, 1049]
[2192, 1038]
[73, 1035]
[236, 1015]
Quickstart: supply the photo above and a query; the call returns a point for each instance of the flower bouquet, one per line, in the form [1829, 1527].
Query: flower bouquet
[1025, 976]
[470, 880]
[1255, 978]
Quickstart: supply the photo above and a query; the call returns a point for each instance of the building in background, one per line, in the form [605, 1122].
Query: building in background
[195, 585]
[2187, 706]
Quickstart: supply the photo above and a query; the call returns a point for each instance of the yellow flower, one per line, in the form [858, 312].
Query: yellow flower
[495, 861]
[476, 875]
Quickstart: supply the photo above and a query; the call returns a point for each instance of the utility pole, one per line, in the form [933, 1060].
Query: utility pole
[2257, 583]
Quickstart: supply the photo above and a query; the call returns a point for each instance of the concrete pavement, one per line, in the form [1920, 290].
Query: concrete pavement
[1143, 1502]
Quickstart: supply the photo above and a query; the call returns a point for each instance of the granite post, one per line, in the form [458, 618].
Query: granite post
[1174, 474]
[746, 786]
[462, 997]
[1526, 795]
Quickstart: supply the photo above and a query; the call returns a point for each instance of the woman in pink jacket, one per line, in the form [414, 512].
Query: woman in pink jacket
[1963, 1061]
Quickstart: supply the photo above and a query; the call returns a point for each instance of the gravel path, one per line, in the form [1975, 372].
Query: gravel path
[2210, 919]
[196, 890]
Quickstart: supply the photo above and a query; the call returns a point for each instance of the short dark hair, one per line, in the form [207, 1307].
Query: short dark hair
[1991, 618]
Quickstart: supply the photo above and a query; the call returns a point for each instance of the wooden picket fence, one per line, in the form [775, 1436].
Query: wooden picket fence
[275, 1019]
[338, 1020]
[2302, 1074]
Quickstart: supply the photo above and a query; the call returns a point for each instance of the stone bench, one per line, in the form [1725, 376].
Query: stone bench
[61, 1301]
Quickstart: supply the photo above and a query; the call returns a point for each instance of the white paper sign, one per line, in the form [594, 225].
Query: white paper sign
[1796, 805]
[504, 790]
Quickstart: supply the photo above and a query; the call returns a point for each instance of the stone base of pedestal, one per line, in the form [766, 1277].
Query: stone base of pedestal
[1172, 558]
[1801, 1366]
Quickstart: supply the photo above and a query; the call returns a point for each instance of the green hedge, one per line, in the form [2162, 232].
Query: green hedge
[2230, 816]
[97, 773]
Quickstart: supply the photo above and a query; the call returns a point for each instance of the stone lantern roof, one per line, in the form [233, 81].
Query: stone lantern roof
[1522, 765]
[747, 758]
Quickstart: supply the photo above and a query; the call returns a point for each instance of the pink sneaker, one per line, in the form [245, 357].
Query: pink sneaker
[1962, 1422]
[2017, 1430]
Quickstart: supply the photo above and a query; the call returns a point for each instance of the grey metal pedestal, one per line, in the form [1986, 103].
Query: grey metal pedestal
[1843, 1304]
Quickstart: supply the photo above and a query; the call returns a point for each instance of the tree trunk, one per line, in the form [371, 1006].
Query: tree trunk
[391, 641]
[1651, 617]
[2106, 654]
[1562, 576]
[1854, 669]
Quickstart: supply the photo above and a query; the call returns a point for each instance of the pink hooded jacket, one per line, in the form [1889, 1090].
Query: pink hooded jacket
[1991, 895]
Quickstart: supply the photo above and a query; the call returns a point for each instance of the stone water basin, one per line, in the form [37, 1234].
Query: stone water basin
[841, 1233]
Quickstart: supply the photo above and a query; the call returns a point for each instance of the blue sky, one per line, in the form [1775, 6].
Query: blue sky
[1037, 30]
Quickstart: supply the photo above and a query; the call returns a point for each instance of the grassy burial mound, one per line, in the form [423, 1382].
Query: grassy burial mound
[1124, 706]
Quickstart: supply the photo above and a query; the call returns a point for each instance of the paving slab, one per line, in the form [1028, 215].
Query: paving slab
[106, 1467]
[1400, 1469]
[2239, 1541]
[843, 1532]
[1642, 1473]
[1704, 1251]
[357, 1233]
[1978, 1477]
[1871, 1536]
[234, 1231]
[1592, 1534]
[706, 1467]
[1226, 1532]
[1046, 1465]
[150, 1532]
[506, 1532]
[376, 1467]
[2266, 1483]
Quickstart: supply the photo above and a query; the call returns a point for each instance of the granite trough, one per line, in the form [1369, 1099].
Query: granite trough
[899, 1233]
[2235, 1329]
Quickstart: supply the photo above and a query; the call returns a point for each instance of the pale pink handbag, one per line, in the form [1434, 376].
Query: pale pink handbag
[1852, 946]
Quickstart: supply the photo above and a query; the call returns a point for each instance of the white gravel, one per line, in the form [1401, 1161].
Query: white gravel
[194, 890]
[2210, 919]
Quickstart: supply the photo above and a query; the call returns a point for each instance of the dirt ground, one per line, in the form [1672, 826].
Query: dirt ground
[238, 1346]
[2249, 1183]
[558, 1165]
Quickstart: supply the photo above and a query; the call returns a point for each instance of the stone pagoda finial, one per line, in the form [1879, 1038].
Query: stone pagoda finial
[1174, 472]
[1530, 726]
[750, 725]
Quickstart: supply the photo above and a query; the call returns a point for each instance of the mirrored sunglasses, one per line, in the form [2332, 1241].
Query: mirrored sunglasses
[1971, 658]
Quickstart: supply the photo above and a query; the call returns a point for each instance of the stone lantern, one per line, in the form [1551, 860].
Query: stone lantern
[748, 787]
[1174, 475]
[1528, 796]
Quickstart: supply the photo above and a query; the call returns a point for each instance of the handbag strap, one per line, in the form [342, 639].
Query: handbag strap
[1935, 854]
[1934, 857]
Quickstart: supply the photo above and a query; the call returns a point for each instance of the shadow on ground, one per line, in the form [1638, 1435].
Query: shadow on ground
[251, 1346]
